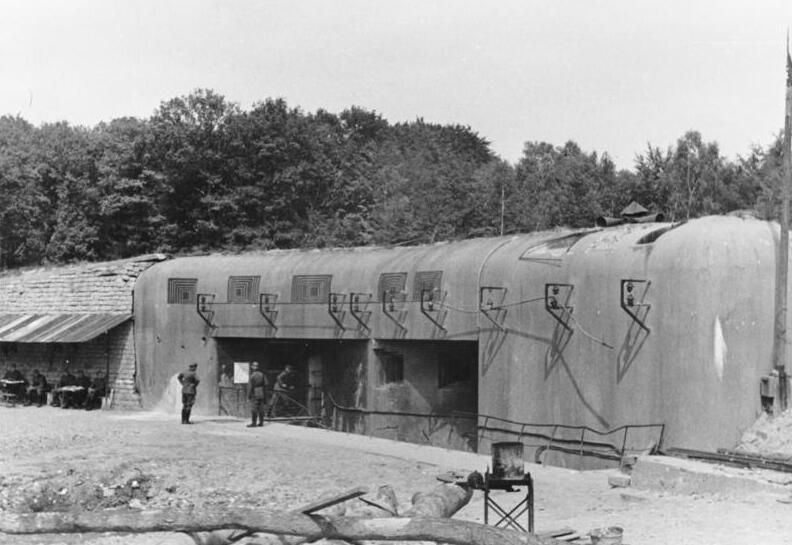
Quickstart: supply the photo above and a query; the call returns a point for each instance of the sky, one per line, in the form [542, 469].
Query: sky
[614, 76]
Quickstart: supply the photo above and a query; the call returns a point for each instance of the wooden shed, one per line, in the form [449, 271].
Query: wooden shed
[81, 313]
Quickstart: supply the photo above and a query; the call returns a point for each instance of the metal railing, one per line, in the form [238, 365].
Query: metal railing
[582, 441]
[579, 440]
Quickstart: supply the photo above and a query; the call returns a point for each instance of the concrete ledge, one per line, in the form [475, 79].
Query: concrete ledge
[681, 476]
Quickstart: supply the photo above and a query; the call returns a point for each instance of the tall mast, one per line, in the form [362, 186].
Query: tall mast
[782, 265]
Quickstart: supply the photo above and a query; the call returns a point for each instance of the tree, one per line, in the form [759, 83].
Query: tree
[274, 175]
[130, 220]
[188, 149]
[23, 231]
[762, 172]
[562, 186]
[426, 187]
[687, 180]
[65, 165]
[495, 191]
[202, 175]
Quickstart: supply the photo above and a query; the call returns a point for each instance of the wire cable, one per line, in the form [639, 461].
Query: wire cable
[494, 308]
[589, 335]
[524, 301]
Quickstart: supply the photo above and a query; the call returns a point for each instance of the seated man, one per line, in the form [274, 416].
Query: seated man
[37, 391]
[66, 380]
[14, 382]
[74, 397]
[96, 391]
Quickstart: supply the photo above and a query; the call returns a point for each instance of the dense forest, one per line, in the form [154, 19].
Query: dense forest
[201, 174]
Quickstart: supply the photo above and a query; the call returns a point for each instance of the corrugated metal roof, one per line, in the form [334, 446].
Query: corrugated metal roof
[56, 328]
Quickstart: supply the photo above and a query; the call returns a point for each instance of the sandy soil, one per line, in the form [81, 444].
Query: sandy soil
[53, 459]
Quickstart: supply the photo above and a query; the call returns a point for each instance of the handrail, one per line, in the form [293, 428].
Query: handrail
[571, 426]
[359, 410]
[551, 438]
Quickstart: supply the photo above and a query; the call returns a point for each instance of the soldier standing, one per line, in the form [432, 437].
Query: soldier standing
[189, 381]
[257, 395]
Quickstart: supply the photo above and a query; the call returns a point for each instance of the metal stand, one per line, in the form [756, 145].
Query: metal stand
[508, 519]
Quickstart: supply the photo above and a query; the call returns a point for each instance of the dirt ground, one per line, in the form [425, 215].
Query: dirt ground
[54, 459]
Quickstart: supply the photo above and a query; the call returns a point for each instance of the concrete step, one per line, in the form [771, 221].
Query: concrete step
[682, 476]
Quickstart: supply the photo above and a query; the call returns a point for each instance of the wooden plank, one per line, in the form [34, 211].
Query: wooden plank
[568, 537]
[333, 500]
[379, 506]
[291, 418]
[555, 533]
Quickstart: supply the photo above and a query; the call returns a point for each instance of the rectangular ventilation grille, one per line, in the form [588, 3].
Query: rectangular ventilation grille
[314, 288]
[181, 291]
[426, 280]
[393, 284]
[243, 289]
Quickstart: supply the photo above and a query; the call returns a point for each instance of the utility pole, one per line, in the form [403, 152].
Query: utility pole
[782, 265]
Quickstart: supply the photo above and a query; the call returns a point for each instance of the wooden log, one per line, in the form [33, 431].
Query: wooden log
[443, 501]
[285, 523]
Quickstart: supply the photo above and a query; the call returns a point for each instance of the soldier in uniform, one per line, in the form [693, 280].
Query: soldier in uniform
[189, 381]
[15, 375]
[37, 391]
[95, 391]
[75, 398]
[285, 385]
[66, 379]
[257, 395]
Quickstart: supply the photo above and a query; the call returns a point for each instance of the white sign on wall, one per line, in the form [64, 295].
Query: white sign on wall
[241, 372]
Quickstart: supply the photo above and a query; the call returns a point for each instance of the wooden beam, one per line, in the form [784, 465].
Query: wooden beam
[333, 500]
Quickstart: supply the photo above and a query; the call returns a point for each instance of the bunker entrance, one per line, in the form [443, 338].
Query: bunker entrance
[333, 366]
